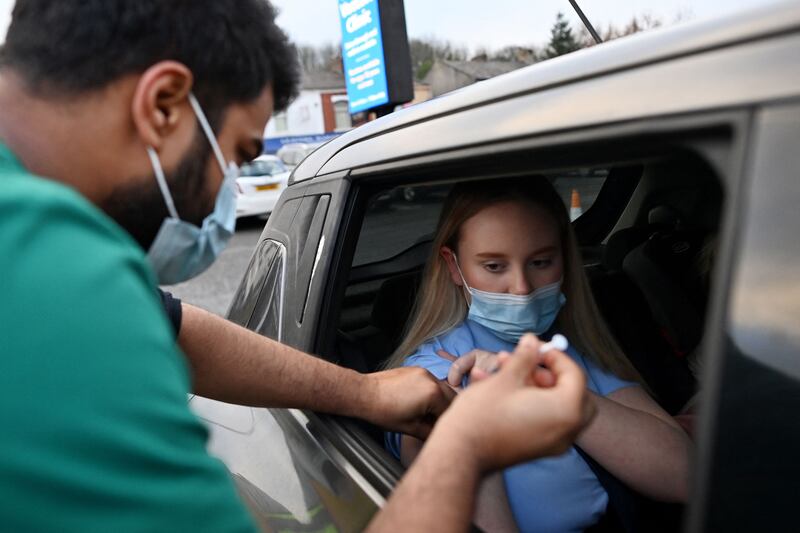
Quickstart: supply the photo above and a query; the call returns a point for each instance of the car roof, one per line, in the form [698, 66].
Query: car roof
[267, 157]
[618, 56]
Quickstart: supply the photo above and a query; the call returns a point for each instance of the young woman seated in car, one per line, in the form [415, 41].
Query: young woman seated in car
[506, 262]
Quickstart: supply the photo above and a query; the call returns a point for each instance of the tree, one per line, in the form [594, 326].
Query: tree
[637, 24]
[317, 58]
[521, 54]
[309, 58]
[562, 39]
[425, 51]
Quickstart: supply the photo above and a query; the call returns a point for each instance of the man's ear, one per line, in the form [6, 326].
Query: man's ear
[449, 258]
[160, 103]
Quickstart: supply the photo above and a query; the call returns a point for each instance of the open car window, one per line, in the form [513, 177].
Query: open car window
[630, 260]
[399, 218]
[579, 189]
[262, 168]
[647, 233]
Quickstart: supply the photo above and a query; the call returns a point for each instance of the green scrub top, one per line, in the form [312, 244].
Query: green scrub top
[97, 433]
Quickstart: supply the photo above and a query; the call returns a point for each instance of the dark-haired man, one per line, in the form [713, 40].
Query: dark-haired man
[121, 123]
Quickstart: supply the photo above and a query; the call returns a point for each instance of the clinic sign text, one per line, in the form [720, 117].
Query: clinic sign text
[363, 54]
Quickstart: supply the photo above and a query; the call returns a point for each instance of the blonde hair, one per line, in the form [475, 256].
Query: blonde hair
[441, 305]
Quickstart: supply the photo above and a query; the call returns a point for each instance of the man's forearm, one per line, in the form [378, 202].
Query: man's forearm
[234, 365]
[436, 494]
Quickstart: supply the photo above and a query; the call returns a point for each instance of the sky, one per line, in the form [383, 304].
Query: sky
[481, 23]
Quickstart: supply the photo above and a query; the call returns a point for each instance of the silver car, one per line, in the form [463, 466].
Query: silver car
[680, 141]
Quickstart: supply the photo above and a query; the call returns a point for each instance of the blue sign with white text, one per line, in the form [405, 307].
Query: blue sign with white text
[273, 144]
[362, 52]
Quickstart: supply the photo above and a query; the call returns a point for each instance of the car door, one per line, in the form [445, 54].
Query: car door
[282, 461]
[747, 459]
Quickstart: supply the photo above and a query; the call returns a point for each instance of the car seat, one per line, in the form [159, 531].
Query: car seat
[664, 267]
[630, 321]
[392, 308]
[366, 348]
[629, 314]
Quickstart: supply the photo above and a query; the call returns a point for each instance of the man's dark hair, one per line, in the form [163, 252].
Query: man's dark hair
[233, 47]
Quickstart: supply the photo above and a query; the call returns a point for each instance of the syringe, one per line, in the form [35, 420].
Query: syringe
[558, 342]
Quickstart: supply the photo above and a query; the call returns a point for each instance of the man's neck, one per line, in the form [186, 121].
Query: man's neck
[49, 136]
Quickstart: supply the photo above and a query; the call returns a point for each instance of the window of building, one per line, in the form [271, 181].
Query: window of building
[281, 122]
[341, 112]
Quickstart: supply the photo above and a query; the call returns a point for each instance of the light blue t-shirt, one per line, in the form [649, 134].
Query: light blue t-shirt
[557, 494]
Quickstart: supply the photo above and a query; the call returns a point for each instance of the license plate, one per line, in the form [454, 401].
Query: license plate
[270, 187]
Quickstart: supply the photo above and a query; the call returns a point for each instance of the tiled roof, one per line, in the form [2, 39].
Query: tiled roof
[323, 79]
[483, 70]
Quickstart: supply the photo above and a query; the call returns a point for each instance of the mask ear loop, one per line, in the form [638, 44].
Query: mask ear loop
[162, 182]
[212, 139]
[465, 287]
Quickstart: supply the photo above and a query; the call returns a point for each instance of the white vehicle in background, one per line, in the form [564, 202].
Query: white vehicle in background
[259, 186]
[292, 154]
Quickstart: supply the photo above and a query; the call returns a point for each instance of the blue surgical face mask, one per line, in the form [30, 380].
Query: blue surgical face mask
[181, 250]
[510, 316]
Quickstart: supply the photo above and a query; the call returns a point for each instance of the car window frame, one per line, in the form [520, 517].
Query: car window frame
[429, 169]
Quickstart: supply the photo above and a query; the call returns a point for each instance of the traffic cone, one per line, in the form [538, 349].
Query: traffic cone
[575, 209]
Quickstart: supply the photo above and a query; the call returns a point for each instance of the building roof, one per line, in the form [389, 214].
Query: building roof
[483, 70]
[322, 79]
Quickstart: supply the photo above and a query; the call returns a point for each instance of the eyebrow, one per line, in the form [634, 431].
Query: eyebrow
[497, 255]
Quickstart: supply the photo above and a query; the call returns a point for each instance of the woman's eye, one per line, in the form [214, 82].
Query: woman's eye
[541, 263]
[493, 267]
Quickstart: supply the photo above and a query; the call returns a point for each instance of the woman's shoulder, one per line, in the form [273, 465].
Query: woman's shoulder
[599, 380]
[456, 341]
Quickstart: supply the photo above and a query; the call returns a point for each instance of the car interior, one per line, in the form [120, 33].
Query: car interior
[647, 235]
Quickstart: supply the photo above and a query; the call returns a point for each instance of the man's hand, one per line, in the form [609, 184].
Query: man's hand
[234, 365]
[503, 420]
[407, 400]
[533, 407]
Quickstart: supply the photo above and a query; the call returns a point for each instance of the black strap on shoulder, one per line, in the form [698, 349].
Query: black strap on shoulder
[621, 511]
[173, 310]
[630, 512]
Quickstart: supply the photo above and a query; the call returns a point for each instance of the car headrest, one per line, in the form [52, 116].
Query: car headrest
[666, 269]
[620, 244]
[660, 218]
[665, 216]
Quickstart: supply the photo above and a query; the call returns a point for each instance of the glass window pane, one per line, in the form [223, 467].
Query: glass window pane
[262, 168]
[258, 304]
[397, 219]
[267, 318]
[244, 301]
[281, 122]
[342, 116]
[579, 189]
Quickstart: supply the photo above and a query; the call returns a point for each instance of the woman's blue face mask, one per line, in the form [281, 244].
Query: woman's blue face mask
[510, 316]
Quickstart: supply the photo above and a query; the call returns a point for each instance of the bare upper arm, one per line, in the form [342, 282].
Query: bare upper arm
[637, 398]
